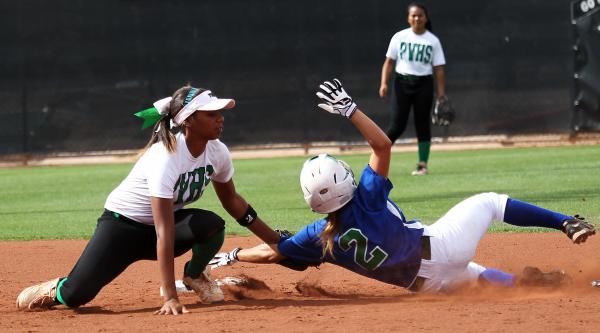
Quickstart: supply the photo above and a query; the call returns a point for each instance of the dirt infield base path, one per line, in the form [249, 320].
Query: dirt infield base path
[329, 299]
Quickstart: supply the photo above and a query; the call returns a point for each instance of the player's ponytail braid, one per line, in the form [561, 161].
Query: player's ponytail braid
[162, 134]
[328, 234]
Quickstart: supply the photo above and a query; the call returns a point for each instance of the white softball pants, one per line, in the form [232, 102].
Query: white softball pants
[454, 240]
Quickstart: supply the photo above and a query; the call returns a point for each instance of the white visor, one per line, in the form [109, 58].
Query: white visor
[206, 101]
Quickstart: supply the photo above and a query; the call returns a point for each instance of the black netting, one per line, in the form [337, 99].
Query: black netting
[74, 71]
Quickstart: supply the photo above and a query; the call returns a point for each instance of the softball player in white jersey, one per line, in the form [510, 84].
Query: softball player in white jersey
[145, 218]
[415, 54]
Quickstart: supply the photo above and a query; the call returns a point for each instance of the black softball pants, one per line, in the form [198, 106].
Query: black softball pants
[415, 92]
[118, 242]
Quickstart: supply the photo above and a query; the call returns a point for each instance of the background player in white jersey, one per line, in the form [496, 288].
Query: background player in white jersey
[415, 54]
[144, 218]
[366, 232]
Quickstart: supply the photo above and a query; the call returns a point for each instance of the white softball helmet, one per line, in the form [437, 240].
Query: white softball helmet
[328, 183]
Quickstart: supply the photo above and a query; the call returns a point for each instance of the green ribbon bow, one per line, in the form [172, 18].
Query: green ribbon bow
[150, 116]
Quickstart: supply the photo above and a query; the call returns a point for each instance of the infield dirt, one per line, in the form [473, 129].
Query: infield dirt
[325, 299]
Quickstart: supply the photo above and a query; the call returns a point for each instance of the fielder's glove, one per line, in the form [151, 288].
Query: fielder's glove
[224, 259]
[289, 262]
[335, 99]
[283, 233]
[443, 112]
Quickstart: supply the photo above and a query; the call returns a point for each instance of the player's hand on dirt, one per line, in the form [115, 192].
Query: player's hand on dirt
[335, 99]
[224, 258]
[172, 306]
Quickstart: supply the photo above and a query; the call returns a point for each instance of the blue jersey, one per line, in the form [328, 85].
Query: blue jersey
[374, 238]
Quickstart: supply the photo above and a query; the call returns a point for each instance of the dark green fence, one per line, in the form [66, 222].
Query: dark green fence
[74, 71]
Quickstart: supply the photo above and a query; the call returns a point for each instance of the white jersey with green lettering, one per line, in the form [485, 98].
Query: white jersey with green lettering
[415, 54]
[178, 176]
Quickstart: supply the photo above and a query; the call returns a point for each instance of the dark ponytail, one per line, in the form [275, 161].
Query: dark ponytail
[421, 6]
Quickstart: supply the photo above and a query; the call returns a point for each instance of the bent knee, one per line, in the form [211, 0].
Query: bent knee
[492, 201]
[490, 197]
[205, 224]
[216, 222]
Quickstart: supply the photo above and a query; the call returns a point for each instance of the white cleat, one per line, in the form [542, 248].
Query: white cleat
[205, 287]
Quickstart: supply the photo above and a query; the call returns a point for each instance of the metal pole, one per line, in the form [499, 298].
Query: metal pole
[574, 49]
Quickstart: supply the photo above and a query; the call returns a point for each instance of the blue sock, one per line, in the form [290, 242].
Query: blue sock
[497, 277]
[524, 214]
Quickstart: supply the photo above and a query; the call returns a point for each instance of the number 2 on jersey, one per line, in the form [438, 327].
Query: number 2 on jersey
[376, 257]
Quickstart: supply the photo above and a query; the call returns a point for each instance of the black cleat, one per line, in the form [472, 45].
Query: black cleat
[533, 276]
[577, 229]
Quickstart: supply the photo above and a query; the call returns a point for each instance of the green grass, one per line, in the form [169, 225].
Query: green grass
[64, 202]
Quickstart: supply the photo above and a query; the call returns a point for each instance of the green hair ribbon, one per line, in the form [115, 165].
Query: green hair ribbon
[150, 116]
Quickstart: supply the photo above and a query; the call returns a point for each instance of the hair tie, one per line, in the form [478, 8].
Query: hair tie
[154, 114]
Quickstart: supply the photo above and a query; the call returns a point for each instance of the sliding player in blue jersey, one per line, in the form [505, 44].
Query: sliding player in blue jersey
[365, 232]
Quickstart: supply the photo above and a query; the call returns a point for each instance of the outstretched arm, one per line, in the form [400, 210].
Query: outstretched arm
[261, 254]
[379, 142]
[337, 101]
[238, 208]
